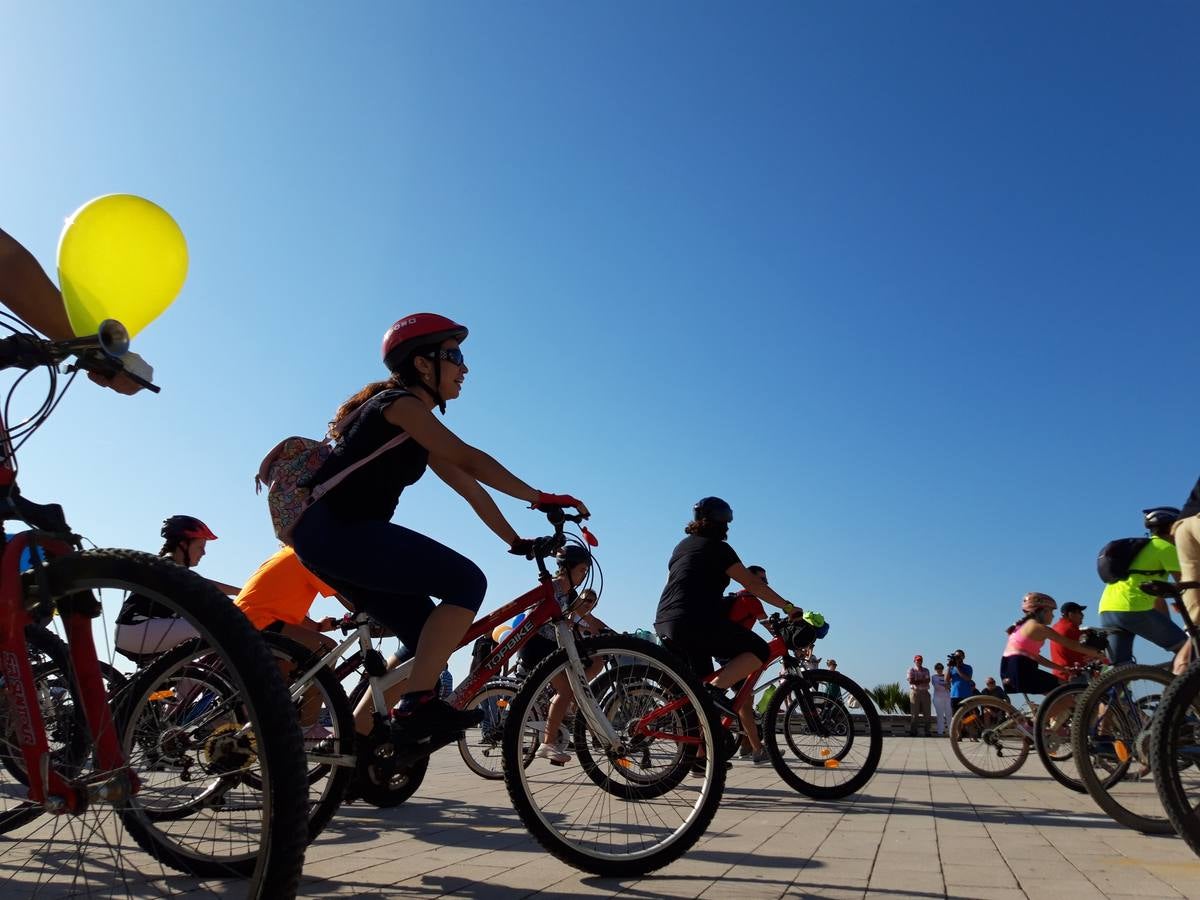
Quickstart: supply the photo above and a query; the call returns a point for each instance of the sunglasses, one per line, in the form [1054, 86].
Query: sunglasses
[453, 355]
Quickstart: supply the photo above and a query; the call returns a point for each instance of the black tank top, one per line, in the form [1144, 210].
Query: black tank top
[372, 491]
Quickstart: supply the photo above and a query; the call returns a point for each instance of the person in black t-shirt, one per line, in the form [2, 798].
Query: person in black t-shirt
[146, 628]
[346, 537]
[691, 612]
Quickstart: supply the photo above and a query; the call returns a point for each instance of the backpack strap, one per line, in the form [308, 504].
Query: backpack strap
[319, 491]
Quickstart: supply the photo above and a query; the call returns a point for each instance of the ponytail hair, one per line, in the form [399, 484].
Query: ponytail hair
[707, 528]
[1021, 621]
[357, 400]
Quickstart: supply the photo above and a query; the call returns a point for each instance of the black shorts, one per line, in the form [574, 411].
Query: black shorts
[699, 641]
[275, 627]
[1022, 675]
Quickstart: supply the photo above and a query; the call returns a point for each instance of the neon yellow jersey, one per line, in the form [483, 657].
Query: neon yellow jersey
[1158, 557]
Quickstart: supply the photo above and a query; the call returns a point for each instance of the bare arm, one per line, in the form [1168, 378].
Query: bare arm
[28, 291]
[1042, 632]
[227, 589]
[471, 491]
[757, 586]
[414, 417]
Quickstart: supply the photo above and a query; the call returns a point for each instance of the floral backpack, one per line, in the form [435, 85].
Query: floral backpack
[295, 460]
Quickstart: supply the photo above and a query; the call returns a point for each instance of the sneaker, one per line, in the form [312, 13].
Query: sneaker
[745, 753]
[431, 721]
[760, 757]
[553, 752]
[723, 704]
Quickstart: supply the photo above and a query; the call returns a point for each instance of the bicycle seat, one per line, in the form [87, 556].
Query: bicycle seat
[1168, 588]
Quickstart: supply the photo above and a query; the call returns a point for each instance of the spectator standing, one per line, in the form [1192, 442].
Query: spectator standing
[962, 684]
[918, 693]
[941, 698]
[831, 689]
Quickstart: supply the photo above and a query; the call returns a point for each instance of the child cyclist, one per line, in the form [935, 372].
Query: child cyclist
[1023, 653]
[574, 563]
[745, 610]
[277, 597]
[346, 537]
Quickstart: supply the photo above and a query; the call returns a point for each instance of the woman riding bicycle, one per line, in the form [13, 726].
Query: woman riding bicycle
[574, 562]
[1023, 654]
[346, 537]
[145, 628]
[691, 610]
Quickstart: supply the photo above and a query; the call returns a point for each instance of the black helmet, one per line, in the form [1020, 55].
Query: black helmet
[178, 528]
[571, 555]
[1159, 517]
[714, 509]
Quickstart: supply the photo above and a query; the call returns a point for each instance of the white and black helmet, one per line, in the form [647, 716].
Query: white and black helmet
[1158, 517]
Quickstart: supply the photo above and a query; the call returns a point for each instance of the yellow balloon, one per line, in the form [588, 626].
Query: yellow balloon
[120, 257]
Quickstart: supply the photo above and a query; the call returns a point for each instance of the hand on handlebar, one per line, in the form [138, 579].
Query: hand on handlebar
[522, 547]
[543, 500]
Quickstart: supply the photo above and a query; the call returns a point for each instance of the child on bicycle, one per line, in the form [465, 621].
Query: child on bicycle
[145, 628]
[347, 539]
[746, 610]
[1019, 670]
[278, 596]
[574, 563]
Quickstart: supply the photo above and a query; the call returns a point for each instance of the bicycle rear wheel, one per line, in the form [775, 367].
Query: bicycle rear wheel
[598, 832]
[482, 747]
[989, 737]
[90, 850]
[1110, 738]
[1175, 755]
[816, 744]
[1052, 735]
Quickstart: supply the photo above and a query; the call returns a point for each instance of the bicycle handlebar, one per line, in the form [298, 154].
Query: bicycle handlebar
[99, 353]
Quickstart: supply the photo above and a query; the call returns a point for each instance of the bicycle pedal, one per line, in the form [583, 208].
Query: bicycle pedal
[556, 762]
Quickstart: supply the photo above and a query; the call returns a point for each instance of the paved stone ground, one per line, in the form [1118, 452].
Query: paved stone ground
[923, 828]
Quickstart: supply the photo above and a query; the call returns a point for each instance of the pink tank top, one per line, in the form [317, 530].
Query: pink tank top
[1019, 645]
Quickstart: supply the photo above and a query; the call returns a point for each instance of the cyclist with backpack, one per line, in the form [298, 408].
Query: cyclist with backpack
[145, 628]
[346, 536]
[1127, 611]
[1019, 666]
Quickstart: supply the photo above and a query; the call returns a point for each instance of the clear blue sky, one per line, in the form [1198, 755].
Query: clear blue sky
[913, 286]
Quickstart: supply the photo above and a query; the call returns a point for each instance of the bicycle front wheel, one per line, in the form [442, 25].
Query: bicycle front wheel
[580, 821]
[1110, 738]
[1175, 755]
[258, 837]
[990, 737]
[816, 744]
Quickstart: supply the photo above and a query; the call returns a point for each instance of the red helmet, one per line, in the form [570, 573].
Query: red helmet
[417, 330]
[178, 528]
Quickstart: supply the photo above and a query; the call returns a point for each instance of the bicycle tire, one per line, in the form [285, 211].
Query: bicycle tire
[1174, 749]
[633, 782]
[804, 781]
[488, 735]
[275, 863]
[1053, 748]
[1120, 729]
[969, 720]
[594, 849]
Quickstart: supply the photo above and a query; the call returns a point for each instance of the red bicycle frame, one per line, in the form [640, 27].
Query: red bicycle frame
[643, 726]
[542, 609]
[48, 787]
